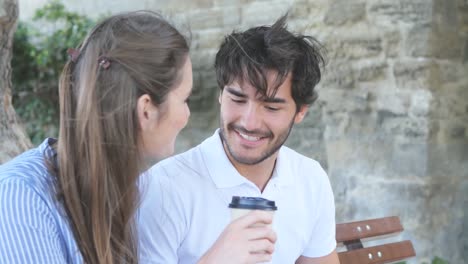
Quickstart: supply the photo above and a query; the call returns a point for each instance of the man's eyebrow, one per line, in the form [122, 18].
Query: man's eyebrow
[274, 100]
[235, 92]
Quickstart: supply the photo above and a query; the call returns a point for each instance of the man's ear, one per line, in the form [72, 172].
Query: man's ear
[301, 114]
[220, 95]
[147, 112]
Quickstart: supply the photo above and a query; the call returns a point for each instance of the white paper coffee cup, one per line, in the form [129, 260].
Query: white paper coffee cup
[242, 205]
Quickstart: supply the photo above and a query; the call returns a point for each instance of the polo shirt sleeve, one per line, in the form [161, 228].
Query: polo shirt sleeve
[160, 219]
[322, 241]
[28, 232]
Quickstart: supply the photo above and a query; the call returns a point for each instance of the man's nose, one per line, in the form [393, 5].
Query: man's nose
[251, 117]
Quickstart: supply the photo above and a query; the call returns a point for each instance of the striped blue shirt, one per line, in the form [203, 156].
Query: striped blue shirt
[33, 225]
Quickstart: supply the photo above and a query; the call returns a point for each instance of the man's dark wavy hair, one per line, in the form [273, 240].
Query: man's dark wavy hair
[247, 56]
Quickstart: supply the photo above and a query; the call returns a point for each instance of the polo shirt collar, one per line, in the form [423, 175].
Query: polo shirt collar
[283, 174]
[225, 175]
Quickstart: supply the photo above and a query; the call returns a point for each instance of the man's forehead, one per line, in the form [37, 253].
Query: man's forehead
[274, 82]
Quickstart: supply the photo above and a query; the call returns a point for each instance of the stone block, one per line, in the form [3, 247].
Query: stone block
[231, 17]
[260, 13]
[356, 46]
[373, 198]
[344, 153]
[203, 59]
[451, 72]
[205, 92]
[453, 129]
[447, 215]
[419, 40]
[445, 13]
[302, 9]
[345, 101]
[389, 12]
[450, 102]
[338, 74]
[464, 234]
[205, 18]
[3, 15]
[420, 103]
[335, 124]
[227, 3]
[465, 51]
[309, 142]
[416, 74]
[447, 45]
[182, 5]
[447, 159]
[209, 39]
[313, 118]
[392, 43]
[428, 40]
[463, 16]
[363, 125]
[406, 158]
[368, 71]
[405, 127]
[386, 117]
[395, 103]
[345, 12]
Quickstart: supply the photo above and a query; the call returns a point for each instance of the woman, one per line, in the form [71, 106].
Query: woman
[123, 100]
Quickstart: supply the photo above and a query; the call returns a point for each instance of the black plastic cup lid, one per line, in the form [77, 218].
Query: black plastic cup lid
[252, 203]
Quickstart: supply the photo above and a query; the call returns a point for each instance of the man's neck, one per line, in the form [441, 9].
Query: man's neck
[259, 173]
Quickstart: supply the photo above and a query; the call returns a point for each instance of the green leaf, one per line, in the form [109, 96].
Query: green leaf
[37, 62]
[438, 260]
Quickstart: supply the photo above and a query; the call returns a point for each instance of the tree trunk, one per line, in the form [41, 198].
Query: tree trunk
[13, 139]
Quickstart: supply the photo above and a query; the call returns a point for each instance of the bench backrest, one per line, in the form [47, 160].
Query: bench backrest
[352, 234]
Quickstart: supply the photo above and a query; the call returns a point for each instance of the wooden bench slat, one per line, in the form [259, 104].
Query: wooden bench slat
[388, 253]
[368, 228]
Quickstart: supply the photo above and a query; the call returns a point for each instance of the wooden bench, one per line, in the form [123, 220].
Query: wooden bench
[351, 235]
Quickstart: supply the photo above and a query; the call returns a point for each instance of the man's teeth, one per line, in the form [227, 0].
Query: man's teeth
[250, 138]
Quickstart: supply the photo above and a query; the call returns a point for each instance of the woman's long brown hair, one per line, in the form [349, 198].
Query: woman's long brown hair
[98, 156]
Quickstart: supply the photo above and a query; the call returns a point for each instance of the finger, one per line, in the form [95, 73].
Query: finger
[259, 258]
[261, 232]
[254, 217]
[261, 246]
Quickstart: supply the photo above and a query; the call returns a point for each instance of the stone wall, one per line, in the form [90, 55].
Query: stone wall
[390, 125]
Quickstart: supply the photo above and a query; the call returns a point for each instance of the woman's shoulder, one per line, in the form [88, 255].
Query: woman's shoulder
[29, 167]
[27, 179]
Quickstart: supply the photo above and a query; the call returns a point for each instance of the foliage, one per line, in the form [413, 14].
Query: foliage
[438, 260]
[38, 58]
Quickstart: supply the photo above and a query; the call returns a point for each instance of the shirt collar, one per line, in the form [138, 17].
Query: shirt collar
[46, 147]
[225, 175]
[283, 173]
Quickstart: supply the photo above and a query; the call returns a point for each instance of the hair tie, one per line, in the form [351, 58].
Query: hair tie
[104, 62]
[73, 54]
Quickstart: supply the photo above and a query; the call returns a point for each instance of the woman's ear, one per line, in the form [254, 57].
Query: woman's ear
[147, 112]
[301, 114]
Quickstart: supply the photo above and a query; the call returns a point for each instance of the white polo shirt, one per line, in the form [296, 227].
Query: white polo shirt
[185, 205]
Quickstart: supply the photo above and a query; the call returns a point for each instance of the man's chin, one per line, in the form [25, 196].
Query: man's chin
[247, 160]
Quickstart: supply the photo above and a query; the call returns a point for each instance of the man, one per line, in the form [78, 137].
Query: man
[267, 77]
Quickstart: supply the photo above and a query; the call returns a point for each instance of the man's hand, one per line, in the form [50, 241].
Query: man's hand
[247, 240]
